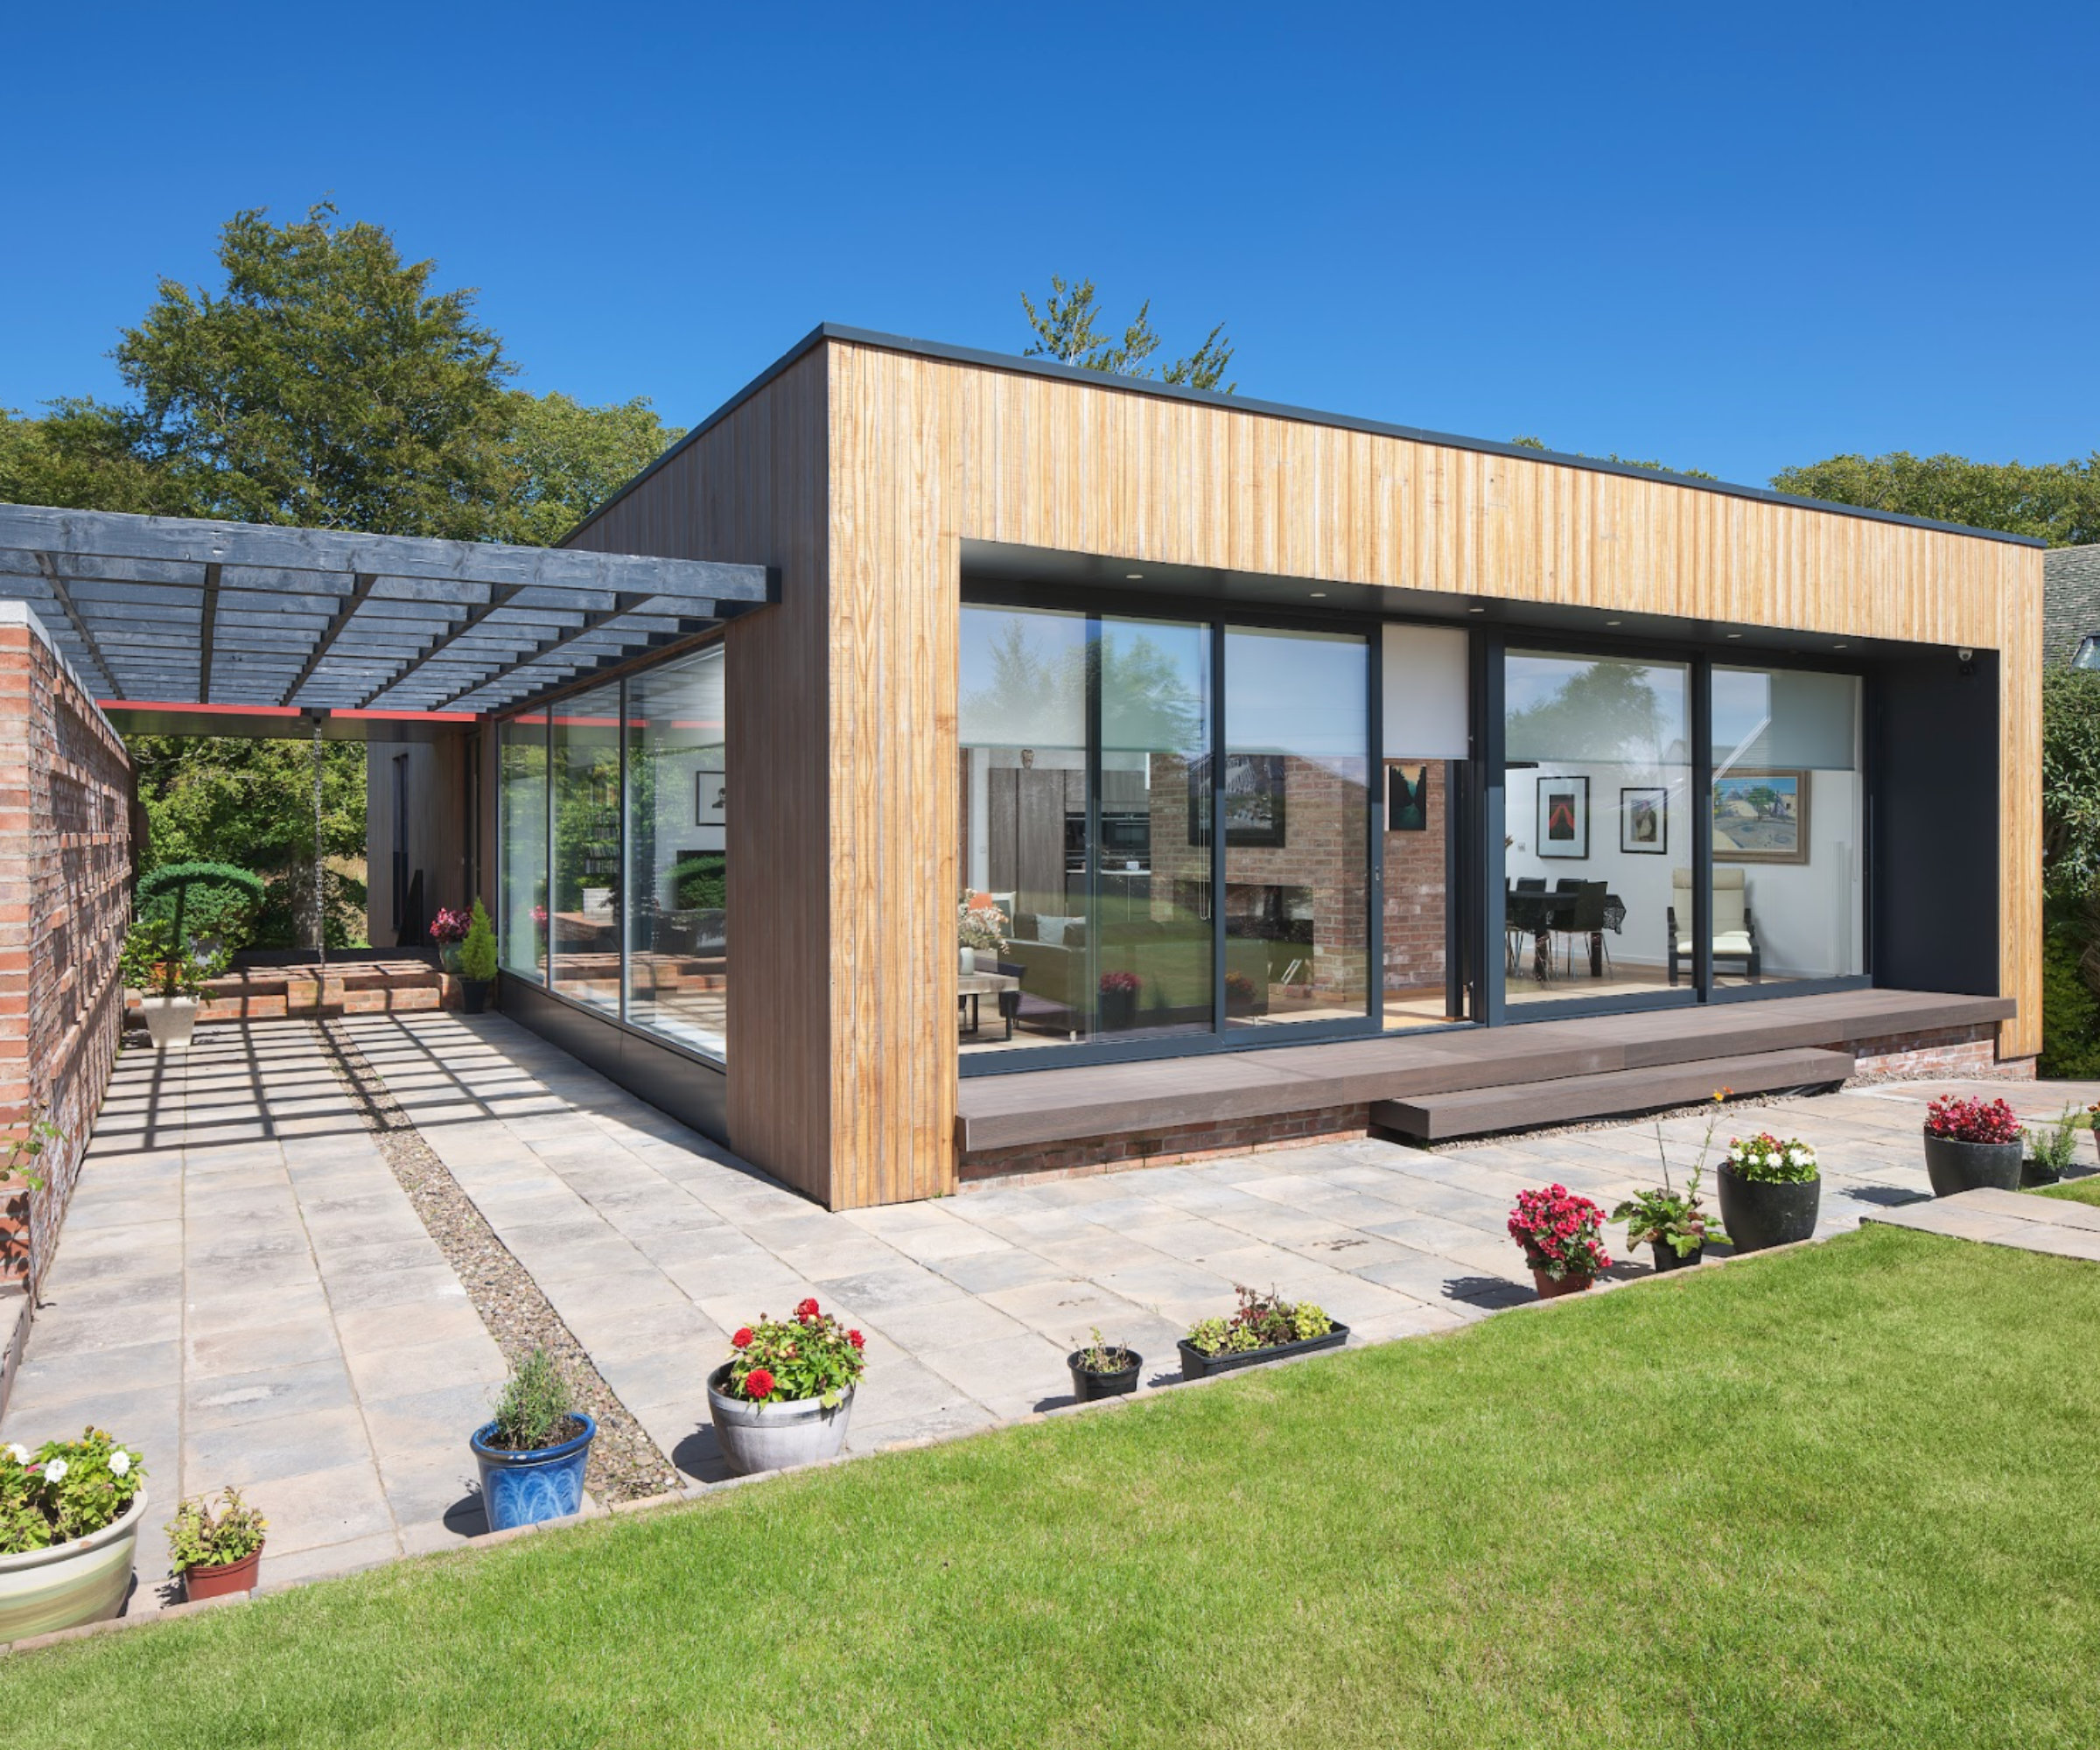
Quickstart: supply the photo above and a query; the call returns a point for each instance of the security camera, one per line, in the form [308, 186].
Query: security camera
[1966, 654]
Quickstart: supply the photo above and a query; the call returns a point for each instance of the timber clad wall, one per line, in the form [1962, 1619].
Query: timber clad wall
[65, 902]
[860, 471]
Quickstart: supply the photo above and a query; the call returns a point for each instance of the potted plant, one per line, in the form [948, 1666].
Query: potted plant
[448, 929]
[158, 963]
[532, 1455]
[2051, 1148]
[1674, 1225]
[1119, 1001]
[19, 1182]
[1103, 1369]
[1770, 1191]
[981, 929]
[1971, 1145]
[1264, 1328]
[784, 1398]
[69, 1519]
[1562, 1237]
[218, 1550]
[477, 960]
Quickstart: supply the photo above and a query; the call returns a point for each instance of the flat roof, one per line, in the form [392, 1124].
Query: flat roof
[1273, 410]
[178, 611]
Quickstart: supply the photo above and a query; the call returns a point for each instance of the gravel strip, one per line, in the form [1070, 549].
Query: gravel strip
[1624, 1121]
[625, 1463]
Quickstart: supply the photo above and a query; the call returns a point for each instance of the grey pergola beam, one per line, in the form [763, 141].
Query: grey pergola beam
[57, 585]
[359, 591]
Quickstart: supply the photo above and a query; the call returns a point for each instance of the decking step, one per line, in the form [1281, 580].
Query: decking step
[1476, 1111]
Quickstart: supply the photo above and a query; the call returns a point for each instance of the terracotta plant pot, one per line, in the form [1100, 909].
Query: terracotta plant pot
[1550, 1288]
[221, 1580]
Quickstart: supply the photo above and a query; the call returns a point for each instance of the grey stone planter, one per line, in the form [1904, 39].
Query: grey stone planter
[1958, 1166]
[775, 1437]
[1757, 1215]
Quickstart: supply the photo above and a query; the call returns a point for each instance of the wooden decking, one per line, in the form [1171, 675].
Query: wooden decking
[1049, 1106]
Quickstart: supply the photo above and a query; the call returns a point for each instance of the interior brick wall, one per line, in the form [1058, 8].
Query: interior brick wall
[65, 788]
[1415, 897]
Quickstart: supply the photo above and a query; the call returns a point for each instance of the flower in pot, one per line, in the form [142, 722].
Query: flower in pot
[1673, 1224]
[981, 929]
[1562, 1237]
[532, 1455]
[1971, 1145]
[784, 1398]
[69, 1519]
[2052, 1148]
[477, 960]
[1103, 1369]
[158, 963]
[1119, 1000]
[1264, 1328]
[448, 929]
[1771, 1189]
[217, 1548]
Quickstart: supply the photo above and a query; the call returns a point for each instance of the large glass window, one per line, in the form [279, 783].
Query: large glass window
[1597, 863]
[677, 851]
[587, 896]
[1787, 826]
[521, 797]
[1295, 811]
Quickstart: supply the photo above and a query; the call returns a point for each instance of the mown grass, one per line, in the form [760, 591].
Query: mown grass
[1838, 1496]
[2086, 1190]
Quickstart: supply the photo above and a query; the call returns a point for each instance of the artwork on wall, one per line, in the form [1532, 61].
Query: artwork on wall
[1563, 817]
[711, 798]
[1406, 797]
[1254, 800]
[1761, 815]
[1644, 821]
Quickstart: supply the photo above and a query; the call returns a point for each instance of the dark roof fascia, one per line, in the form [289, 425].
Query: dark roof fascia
[1273, 410]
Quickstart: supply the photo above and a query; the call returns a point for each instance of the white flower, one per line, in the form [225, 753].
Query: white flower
[120, 1462]
[1736, 1151]
[55, 1471]
[19, 1452]
[1799, 1156]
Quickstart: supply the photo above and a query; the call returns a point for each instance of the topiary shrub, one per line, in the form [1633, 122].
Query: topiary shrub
[478, 952]
[201, 899]
[700, 883]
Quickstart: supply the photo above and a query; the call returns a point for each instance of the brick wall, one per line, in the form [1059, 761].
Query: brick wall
[1965, 1052]
[65, 902]
[1415, 900]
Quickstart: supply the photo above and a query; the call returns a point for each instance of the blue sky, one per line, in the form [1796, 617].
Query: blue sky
[1731, 244]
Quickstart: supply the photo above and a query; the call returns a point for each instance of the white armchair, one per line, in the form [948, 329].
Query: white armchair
[1734, 929]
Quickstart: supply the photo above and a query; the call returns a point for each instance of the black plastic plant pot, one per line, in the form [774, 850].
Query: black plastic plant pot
[474, 994]
[2033, 1173]
[1758, 1215]
[1668, 1257]
[1197, 1365]
[1086, 1386]
[1954, 1166]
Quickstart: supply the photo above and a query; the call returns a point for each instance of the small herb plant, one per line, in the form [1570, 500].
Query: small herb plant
[478, 946]
[1769, 1160]
[1972, 1121]
[1100, 1357]
[788, 1361]
[536, 1410]
[2055, 1146]
[204, 1535]
[1261, 1321]
[64, 1490]
[1562, 1233]
[1664, 1217]
[24, 1148]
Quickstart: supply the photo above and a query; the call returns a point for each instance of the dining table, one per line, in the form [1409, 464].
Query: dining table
[1539, 916]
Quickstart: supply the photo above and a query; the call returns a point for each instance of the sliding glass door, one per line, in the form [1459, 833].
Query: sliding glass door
[1117, 774]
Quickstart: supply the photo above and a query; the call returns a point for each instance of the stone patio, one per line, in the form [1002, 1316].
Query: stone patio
[245, 1292]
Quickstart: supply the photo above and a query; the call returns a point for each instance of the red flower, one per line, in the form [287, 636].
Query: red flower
[806, 1310]
[757, 1384]
[742, 1340]
[857, 1340]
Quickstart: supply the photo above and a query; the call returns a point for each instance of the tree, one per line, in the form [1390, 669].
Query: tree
[2058, 502]
[566, 459]
[1624, 461]
[1064, 331]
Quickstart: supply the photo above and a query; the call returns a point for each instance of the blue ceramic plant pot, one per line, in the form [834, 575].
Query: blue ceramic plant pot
[522, 1489]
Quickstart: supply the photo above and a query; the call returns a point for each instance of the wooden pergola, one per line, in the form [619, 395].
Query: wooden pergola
[173, 612]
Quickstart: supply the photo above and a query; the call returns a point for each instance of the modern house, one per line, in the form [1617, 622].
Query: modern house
[1305, 775]
[2071, 607]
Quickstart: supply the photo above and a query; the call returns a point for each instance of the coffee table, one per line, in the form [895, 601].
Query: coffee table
[970, 987]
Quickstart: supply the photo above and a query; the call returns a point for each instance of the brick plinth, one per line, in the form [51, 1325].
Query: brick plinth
[1965, 1052]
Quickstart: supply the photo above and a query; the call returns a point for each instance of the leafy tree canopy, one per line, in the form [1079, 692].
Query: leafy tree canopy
[567, 458]
[1065, 331]
[1623, 461]
[2058, 502]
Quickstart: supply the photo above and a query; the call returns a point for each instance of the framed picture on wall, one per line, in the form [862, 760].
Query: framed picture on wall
[1644, 821]
[1406, 797]
[1254, 800]
[1761, 815]
[711, 798]
[1563, 817]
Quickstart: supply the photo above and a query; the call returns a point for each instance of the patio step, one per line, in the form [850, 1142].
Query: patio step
[1521, 1105]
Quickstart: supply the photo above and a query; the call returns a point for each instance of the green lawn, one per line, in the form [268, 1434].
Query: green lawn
[1838, 1496]
[2086, 1190]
